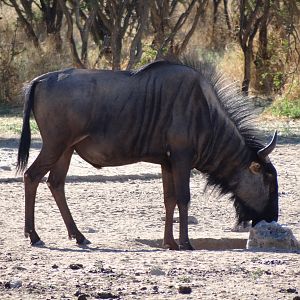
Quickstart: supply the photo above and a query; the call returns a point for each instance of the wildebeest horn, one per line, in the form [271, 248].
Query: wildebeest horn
[264, 152]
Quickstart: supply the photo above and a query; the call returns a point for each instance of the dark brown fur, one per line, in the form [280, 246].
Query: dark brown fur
[179, 116]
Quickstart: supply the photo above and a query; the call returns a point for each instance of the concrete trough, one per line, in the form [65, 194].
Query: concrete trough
[212, 244]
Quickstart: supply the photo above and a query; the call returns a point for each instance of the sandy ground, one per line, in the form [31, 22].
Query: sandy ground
[120, 210]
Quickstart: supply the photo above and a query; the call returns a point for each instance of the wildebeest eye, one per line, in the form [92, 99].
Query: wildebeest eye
[255, 167]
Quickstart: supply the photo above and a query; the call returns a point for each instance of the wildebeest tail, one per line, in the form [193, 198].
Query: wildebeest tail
[25, 140]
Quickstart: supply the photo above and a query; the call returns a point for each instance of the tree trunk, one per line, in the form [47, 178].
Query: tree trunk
[116, 48]
[225, 2]
[247, 69]
[136, 48]
[249, 24]
[215, 16]
[263, 81]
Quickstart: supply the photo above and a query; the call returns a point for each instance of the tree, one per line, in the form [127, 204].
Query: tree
[220, 37]
[163, 12]
[25, 15]
[76, 60]
[109, 23]
[252, 14]
[51, 17]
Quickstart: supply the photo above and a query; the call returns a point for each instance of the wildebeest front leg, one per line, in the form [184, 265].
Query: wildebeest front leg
[170, 204]
[181, 177]
[56, 183]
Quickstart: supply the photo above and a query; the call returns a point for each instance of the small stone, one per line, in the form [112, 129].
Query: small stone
[291, 290]
[91, 230]
[14, 284]
[55, 266]
[76, 266]
[105, 295]
[157, 271]
[268, 272]
[5, 168]
[185, 290]
[21, 268]
[192, 220]
[106, 270]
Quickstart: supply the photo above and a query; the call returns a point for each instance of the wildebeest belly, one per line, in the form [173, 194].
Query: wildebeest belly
[109, 152]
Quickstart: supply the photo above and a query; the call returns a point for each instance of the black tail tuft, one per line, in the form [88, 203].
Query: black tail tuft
[25, 140]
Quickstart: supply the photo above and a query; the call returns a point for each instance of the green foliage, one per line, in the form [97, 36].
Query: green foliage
[11, 121]
[285, 107]
[149, 55]
[278, 80]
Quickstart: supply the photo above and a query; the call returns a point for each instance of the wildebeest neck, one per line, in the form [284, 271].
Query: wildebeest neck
[225, 153]
[232, 142]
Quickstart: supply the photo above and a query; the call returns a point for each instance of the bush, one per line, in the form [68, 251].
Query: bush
[288, 104]
[285, 107]
[20, 62]
[9, 49]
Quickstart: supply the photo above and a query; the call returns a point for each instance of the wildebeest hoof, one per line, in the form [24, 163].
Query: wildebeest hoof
[186, 246]
[170, 246]
[38, 243]
[83, 242]
[34, 238]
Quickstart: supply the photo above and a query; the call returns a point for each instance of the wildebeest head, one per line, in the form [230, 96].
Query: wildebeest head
[256, 190]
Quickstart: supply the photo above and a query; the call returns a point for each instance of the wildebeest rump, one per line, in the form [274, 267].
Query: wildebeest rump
[181, 116]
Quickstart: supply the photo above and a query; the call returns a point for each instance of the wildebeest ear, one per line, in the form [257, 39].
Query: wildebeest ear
[255, 167]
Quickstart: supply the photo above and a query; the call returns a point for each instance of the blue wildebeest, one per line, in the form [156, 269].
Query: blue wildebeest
[179, 115]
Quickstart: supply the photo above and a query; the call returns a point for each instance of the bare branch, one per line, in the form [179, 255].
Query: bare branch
[70, 37]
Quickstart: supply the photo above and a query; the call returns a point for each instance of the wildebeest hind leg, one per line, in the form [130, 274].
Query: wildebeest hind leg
[32, 178]
[170, 204]
[56, 183]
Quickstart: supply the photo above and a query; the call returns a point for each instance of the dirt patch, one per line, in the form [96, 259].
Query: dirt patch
[120, 210]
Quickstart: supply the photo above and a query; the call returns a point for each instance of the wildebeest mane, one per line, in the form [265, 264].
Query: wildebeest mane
[237, 105]
[240, 110]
